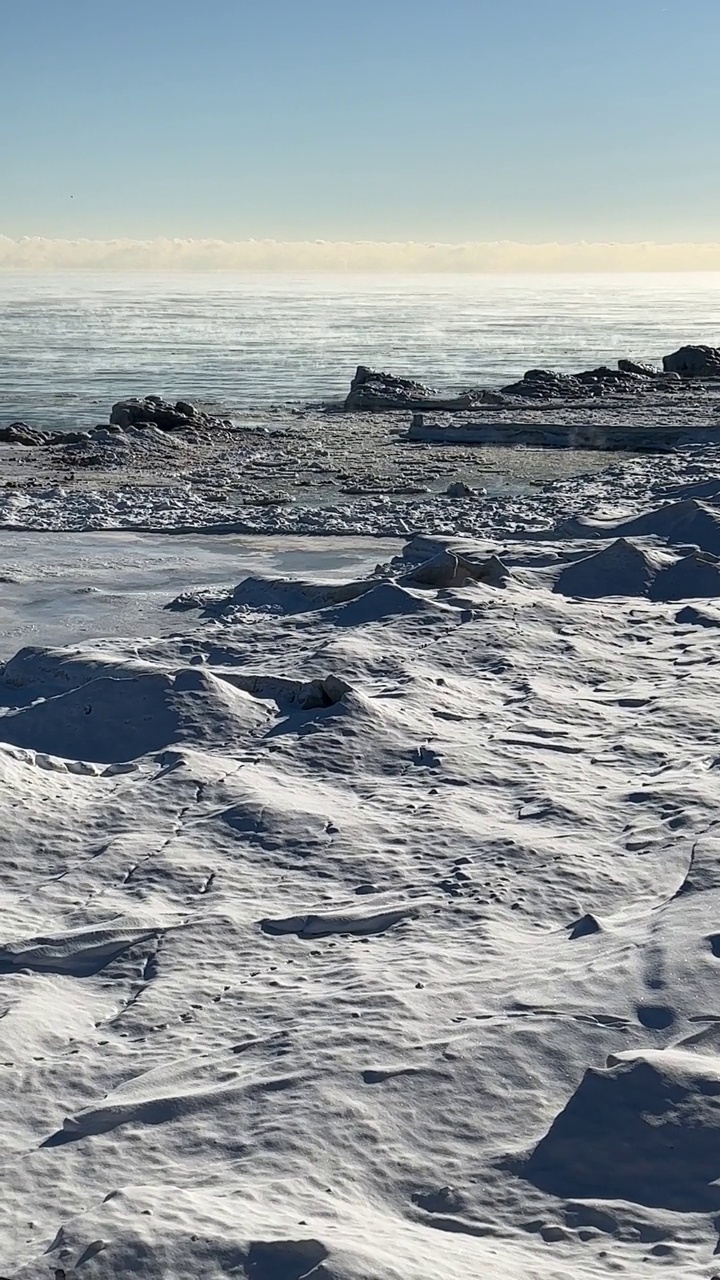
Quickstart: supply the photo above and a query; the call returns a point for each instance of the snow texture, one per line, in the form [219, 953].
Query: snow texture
[368, 927]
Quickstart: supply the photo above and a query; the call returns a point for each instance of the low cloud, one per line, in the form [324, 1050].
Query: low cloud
[39, 254]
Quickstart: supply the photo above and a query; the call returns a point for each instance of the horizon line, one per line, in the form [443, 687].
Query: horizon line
[490, 257]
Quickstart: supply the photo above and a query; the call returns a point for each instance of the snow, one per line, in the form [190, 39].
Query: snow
[210, 502]
[361, 911]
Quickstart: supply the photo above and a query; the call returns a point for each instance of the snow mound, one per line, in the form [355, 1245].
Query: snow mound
[691, 522]
[77, 951]
[112, 719]
[686, 523]
[345, 920]
[449, 569]
[344, 603]
[293, 595]
[624, 569]
[47, 671]
[703, 489]
[703, 872]
[646, 1129]
[189, 1232]
[621, 569]
[175, 1090]
[116, 1235]
[694, 577]
[439, 567]
[385, 600]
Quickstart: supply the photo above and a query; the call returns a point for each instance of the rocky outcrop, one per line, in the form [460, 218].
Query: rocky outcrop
[152, 411]
[156, 412]
[376, 391]
[599, 381]
[546, 384]
[21, 433]
[628, 379]
[373, 390]
[637, 367]
[694, 362]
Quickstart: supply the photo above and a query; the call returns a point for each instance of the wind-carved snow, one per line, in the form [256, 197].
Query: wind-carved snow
[370, 930]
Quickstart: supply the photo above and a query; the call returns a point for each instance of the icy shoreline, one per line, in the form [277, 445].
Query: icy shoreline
[361, 920]
[313, 472]
[183, 509]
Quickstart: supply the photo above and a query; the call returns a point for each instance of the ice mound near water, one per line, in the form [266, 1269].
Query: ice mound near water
[621, 569]
[625, 569]
[686, 523]
[370, 928]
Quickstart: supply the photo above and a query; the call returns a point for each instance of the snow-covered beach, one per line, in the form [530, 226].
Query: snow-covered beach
[360, 909]
[360, 891]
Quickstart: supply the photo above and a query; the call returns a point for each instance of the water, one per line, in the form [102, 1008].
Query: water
[72, 343]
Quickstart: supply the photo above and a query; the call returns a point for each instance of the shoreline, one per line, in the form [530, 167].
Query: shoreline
[375, 464]
[332, 470]
[316, 474]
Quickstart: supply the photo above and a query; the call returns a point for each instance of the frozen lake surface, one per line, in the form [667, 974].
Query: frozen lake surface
[60, 589]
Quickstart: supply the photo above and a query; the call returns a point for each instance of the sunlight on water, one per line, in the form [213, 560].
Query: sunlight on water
[72, 343]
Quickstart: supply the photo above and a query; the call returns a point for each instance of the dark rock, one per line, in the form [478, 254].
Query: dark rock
[546, 384]
[443, 1200]
[156, 412]
[130, 413]
[606, 379]
[494, 398]
[694, 362]
[71, 437]
[375, 391]
[90, 460]
[372, 390]
[21, 433]
[668, 382]
[637, 367]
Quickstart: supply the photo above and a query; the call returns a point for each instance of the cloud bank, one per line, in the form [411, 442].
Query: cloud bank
[39, 254]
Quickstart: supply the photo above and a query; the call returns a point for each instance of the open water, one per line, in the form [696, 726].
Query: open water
[73, 343]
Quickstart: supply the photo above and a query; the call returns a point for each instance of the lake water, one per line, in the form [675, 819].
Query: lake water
[72, 343]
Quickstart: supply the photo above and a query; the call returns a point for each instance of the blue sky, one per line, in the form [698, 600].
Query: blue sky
[303, 119]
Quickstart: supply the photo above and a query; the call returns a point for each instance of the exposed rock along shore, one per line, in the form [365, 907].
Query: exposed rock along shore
[378, 391]
[148, 412]
[156, 412]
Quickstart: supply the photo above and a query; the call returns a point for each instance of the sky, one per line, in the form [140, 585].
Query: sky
[388, 120]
